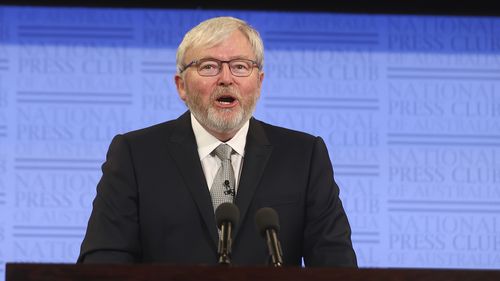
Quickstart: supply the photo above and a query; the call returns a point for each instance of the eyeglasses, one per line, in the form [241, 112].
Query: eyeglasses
[212, 67]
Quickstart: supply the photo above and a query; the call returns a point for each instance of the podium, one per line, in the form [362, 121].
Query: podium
[157, 272]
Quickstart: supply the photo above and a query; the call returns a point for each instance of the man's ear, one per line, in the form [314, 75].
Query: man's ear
[181, 87]
[261, 78]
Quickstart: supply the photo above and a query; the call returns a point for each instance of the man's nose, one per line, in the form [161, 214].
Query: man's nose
[225, 75]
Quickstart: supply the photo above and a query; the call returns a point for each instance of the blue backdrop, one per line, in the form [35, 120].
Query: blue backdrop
[409, 107]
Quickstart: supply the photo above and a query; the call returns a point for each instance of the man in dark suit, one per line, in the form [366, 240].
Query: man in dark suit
[155, 201]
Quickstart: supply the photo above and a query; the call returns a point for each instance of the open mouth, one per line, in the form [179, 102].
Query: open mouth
[226, 100]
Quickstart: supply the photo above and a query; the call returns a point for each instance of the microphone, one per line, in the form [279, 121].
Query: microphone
[226, 216]
[268, 225]
[228, 189]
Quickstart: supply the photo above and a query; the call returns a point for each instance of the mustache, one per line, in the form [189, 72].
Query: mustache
[222, 91]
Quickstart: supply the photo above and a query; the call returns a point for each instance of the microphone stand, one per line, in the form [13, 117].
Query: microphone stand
[273, 244]
[225, 244]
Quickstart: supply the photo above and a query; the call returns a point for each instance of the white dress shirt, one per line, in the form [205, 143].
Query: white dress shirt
[207, 143]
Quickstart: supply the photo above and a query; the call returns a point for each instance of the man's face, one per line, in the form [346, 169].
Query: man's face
[221, 103]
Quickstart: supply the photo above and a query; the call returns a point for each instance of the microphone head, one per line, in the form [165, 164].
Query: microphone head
[266, 218]
[227, 212]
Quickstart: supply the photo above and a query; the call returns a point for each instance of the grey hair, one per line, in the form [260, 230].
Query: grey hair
[213, 31]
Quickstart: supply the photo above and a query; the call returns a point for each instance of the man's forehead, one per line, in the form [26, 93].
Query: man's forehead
[244, 50]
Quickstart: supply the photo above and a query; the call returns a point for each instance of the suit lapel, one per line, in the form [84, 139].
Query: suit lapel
[183, 150]
[257, 152]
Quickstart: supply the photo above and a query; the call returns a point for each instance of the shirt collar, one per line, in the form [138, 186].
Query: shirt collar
[207, 143]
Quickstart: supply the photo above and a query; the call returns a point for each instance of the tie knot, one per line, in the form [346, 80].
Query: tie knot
[223, 151]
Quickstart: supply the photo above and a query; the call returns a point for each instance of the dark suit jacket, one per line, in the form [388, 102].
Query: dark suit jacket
[153, 203]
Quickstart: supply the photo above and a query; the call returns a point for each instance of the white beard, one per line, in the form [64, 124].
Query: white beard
[218, 120]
